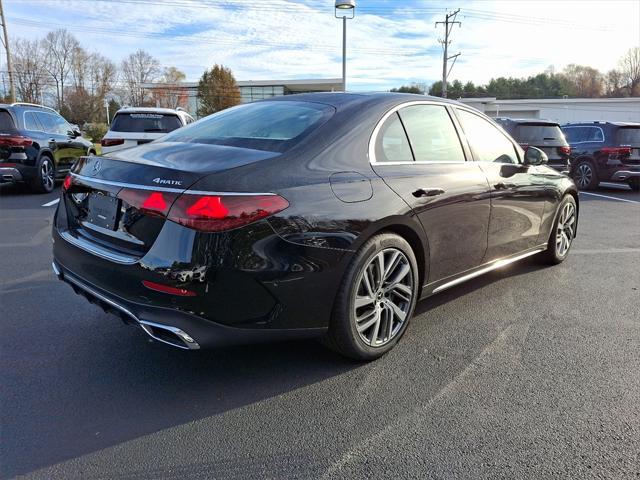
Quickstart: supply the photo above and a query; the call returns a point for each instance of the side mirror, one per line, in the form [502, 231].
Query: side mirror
[535, 156]
[74, 133]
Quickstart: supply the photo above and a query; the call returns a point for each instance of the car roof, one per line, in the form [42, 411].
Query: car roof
[535, 121]
[151, 110]
[590, 124]
[27, 105]
[341, 100]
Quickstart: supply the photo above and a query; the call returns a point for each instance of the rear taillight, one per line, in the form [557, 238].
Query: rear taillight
[15, 141]
[616, 150]
[216, 213]
[206, 213]
[564, 150]
[67, 183]
[111, 142]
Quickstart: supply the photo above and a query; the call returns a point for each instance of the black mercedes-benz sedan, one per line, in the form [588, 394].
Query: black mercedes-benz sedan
[317, 215]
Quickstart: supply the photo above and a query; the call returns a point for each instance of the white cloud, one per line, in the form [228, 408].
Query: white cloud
[296, 39]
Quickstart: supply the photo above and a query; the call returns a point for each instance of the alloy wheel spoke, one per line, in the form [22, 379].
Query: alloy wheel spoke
[397, 311]
[363, 301]
[401, 290]
[391, 264]
[362, 327]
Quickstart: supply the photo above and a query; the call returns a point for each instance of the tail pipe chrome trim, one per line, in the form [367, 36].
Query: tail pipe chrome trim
[162, 333]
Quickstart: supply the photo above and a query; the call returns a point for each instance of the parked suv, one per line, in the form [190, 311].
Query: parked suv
[542, 134]
[605, 152]
[134, 126]
[37, 145]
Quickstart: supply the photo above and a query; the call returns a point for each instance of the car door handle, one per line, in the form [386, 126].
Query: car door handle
[427, 192]
[504, 186]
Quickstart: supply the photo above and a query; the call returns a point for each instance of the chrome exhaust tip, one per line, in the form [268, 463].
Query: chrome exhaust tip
[170, 335]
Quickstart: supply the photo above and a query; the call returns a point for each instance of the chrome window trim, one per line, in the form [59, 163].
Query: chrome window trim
[374, 136]
[587, 141]
[113, 183]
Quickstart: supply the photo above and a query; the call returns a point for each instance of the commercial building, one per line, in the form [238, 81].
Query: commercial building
[251, 90]
[561, 110]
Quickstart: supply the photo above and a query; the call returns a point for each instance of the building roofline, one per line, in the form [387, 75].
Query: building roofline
[549, 100]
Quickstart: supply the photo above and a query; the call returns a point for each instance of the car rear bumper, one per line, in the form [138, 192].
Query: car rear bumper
[10, 175]
[176, 328]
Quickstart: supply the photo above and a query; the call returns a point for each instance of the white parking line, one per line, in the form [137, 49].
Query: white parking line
[51, 203]
[610, 198]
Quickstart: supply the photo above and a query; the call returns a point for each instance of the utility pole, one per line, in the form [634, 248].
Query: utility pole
[12, 86]
[449, 22]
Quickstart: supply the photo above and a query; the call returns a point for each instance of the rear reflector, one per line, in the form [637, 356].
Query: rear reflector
[67, 183]
[158, 287]
[111, 142]
[206, 213]
[14, 141]
[564, 150]
[616, 150]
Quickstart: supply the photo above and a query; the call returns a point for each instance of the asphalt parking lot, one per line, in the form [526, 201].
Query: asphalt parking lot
[527, 372]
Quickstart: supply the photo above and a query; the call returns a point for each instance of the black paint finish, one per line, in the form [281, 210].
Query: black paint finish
[281, 274]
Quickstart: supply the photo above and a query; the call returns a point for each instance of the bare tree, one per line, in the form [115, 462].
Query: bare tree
[137, 69]
[28, 63]
[585, 81]
[630, 69]
[60, 47]
[614, 83]
[170, 94]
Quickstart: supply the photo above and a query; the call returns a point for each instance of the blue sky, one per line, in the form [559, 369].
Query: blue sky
[390, 42]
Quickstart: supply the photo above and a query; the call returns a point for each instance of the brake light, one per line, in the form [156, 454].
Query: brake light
[111, 142]
[67, 183]
[217, 213]
[159, 287]
[616, 150]
[564, 150]
[15, 141]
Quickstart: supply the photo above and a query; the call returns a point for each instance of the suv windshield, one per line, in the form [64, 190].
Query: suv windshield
[629, 136]
[526, 133]
[145, 122]
[272, 126]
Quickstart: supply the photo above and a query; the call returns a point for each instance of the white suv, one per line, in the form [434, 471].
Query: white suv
[133, 126]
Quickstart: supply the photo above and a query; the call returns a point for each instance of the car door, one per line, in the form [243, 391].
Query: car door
[66, 149]
[418, 153]
[518, 191]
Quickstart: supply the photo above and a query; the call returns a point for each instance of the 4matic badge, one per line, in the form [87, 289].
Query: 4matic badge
[164, 181]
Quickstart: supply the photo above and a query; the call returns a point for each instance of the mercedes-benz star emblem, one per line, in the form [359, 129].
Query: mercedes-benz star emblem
[97, 165]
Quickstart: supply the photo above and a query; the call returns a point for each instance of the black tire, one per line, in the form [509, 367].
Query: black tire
[585, 175]
[343, 335]
[45, 179]
[554, 254]
[634, 184]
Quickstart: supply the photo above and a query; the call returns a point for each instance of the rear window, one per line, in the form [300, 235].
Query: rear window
[6, 121]
[270, 126]
[145, 122]
[629, 136]
[538, 133]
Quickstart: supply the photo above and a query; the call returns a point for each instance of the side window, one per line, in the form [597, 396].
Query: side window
[487, 142]
[31, 122]
[431, 133]
[61, 125]
[46, 121]
[594, 135]
[392, 144]
[574, 134]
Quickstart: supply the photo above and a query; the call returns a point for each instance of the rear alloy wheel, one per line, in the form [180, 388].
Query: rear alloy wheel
[45, 179]
[376, 300]
[585, 175]
[563, 232]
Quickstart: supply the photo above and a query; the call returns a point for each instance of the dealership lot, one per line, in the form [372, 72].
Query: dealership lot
[527, 372]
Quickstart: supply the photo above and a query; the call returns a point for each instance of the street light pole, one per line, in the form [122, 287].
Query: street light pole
[344, 6]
